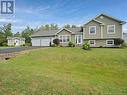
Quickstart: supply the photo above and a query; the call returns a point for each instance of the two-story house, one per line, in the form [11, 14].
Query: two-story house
[98, 32]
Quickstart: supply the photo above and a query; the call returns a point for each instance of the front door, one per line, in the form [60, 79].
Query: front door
[78, 39]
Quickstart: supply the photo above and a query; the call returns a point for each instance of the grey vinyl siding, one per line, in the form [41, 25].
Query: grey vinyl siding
[65, 32]
[107, 21]
[92, 36]
[101, 43]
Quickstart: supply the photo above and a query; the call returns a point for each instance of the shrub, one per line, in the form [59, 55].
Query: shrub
[53, 45]
[61, 45]
[101, 46]
[118, 41]
[4, 44]
[28, 44]
[124, 45]
[56, 41]
[22, 45]
[70, 44]
[86, 46]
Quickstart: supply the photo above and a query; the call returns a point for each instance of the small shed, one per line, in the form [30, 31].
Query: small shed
[15, 41]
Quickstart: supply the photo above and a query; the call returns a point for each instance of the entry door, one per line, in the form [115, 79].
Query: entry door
[16, 42]
[78, 39]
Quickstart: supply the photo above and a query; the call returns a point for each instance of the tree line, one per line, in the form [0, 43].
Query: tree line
[6, 31]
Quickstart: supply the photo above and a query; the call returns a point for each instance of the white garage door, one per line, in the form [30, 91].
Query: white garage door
[45, 41]
[41, 41]
[36, 42]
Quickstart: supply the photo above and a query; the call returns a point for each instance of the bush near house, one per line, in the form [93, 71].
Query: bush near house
[71, 44]
[118, 41]
[56, 41]
[4, 44]
[86, 46]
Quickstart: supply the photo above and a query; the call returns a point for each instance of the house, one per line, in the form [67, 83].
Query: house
[43, 38]
[125, 37]
[98, 32]
[15, 41]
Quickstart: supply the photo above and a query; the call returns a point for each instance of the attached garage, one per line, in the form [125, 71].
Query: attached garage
[43, 37]
[42, 41]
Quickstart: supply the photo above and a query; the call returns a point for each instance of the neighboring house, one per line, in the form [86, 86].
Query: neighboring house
[125, 37]
[15, 41]
[98, 32]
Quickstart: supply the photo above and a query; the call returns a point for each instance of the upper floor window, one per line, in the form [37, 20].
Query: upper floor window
[111, 29]
[92, 30]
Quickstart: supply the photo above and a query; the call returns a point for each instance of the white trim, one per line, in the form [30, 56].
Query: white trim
[84, 29]
[108, 29]
[92, 44]
[90, 28]
[62, 38]
[113, 18]
[101, 31]
[109, 44]
[101, 23]
[76, 41]
[63, 29]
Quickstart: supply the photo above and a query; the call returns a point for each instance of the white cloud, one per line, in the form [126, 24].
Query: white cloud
[32, 10]
[9, 20]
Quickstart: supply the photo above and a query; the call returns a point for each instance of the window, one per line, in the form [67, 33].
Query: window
[109, 42]
[111, 29]
[64, 38]
[92, 42]
[92, 30]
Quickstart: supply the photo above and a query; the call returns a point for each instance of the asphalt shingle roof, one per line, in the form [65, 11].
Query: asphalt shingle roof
[45, 33]
[40, 33]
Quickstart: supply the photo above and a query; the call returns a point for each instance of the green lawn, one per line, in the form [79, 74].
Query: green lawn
[66, 71]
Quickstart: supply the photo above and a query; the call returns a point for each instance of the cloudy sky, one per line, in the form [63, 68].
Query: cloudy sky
[35, 13]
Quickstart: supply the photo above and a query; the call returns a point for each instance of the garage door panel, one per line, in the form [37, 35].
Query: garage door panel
[45, 41]
[35, 42]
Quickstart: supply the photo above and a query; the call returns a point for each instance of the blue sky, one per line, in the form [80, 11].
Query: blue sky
[35, 13]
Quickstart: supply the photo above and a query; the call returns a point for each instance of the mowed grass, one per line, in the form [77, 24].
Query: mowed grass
[66, 71]
[5, 47]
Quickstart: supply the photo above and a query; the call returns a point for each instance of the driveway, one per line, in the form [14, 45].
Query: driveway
[17, 49]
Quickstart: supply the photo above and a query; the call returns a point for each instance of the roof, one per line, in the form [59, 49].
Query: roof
[101, 23]
[45, 33]
[16, 38]
[76, 30]
[122, 22]
[40, 33]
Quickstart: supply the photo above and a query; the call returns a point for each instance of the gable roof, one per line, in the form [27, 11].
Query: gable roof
[122, 22]
[72, 30]
[76, 30]
[12, 38]
[41, 33]
[64, 29]
[101, 23]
